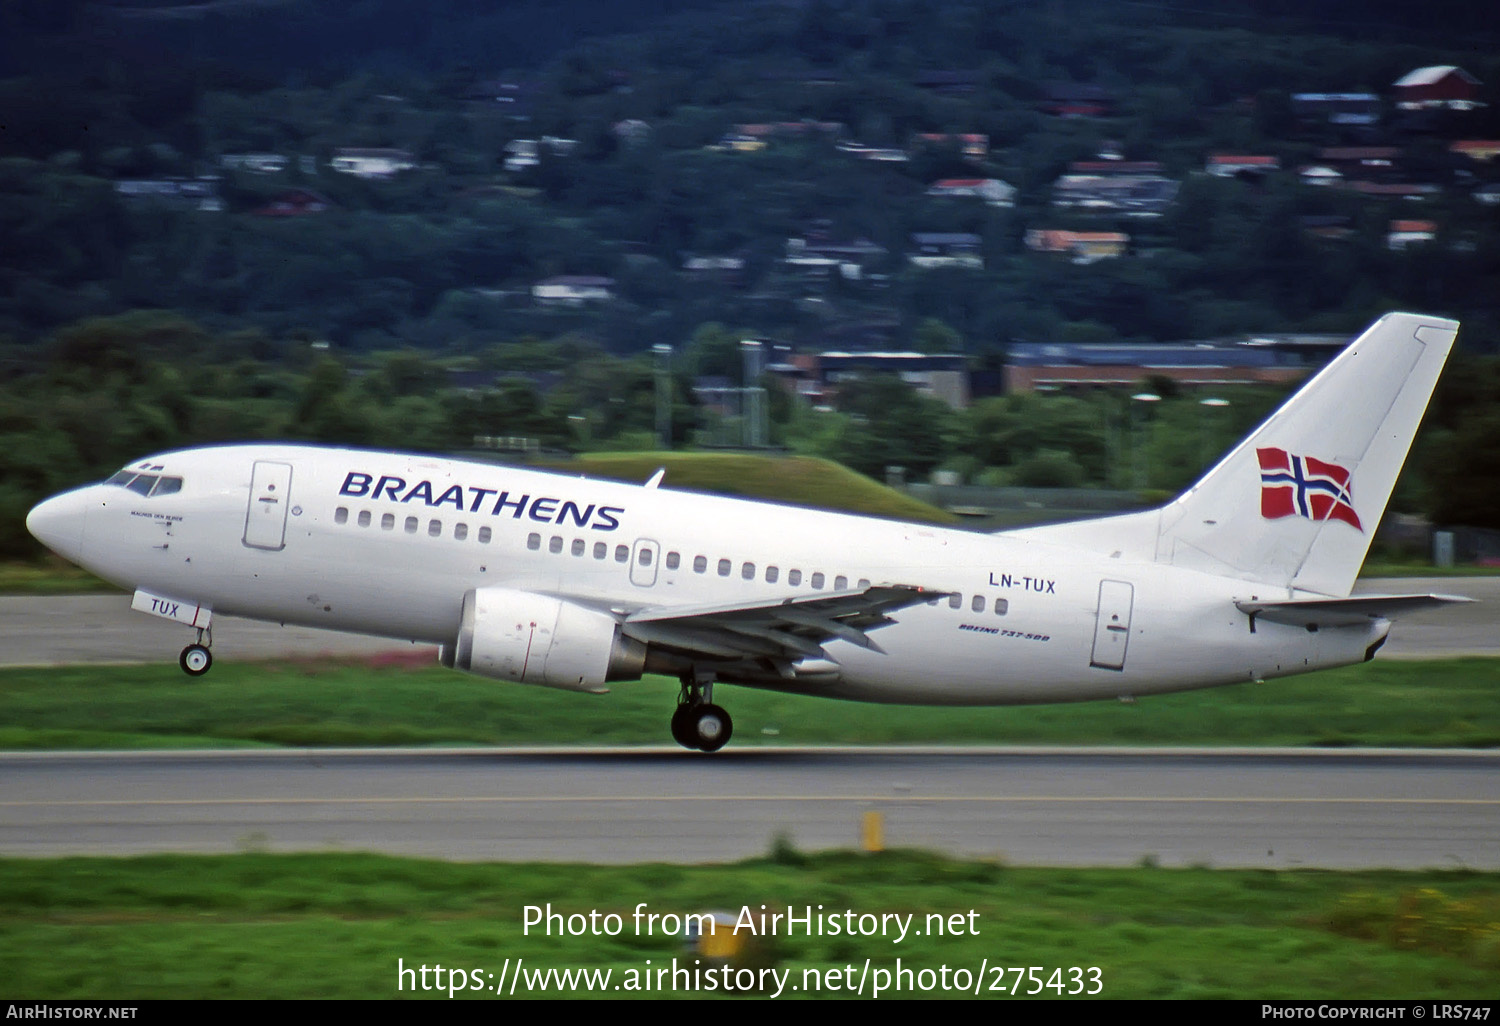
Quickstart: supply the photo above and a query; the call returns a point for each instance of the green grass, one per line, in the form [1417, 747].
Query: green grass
[51, 576]
[335, 925]
[1441, 703]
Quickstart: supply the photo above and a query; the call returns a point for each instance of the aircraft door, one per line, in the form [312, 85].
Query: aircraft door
[270, 497]
[1112, 628]
[643, 559]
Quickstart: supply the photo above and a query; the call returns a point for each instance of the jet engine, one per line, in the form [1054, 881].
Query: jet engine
[536, 639]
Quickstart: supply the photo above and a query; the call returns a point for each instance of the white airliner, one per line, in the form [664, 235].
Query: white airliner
[573, 583]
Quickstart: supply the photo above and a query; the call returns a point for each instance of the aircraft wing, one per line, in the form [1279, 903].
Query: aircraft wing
[782, 632]
[1338, 612]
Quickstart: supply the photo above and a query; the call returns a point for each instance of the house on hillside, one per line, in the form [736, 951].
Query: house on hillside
[1409, 233]
[1226, 165]
[1346, 110]
[254, 163]
[295, 203]
[198, 193]
[1066, 100]
[1080, 247]
[974, 145]
[992, 190]
[371, 163]
[1130, 195]
[1438, 86]
[573, 290]
[946, 249]
[1481, 150]
[1366, 162]
[816, 256]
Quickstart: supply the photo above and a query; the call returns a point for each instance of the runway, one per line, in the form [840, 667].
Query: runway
[1241, 808]
[66, 629]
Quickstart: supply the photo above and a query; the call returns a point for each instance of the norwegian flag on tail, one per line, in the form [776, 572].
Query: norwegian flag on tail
[1304, 486]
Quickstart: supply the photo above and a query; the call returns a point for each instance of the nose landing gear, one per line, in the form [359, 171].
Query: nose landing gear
[196, 659]
[697, 722]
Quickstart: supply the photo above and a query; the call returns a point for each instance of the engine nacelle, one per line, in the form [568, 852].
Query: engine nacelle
[537, 639]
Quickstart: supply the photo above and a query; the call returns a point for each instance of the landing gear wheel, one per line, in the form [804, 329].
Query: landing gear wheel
[711, 728]
[195, 660]
[682, 726]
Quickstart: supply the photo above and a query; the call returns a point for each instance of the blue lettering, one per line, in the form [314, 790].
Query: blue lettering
[387, 483]
[356, 484]
[606, 514]
[543, 510]
[421, 491]
[454, 495]
[580, 516]
[479, 494]
[504, 502]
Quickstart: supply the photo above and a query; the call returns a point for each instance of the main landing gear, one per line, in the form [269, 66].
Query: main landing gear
[196, 659]
[698, 723]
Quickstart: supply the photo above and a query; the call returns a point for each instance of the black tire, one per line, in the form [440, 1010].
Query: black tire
[195, 660]
[682, 726]
[712, 728]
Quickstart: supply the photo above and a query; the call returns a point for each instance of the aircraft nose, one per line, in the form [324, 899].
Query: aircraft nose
[58, 522]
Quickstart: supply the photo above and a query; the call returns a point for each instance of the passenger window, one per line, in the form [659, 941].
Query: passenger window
[600, 550]
[978, 604]
[167, 486]
[1002, 606]
[411, 525]
[533, 541]
[460, 531]
[388, 522]
[771, 574]
[955, 601]
[840, 583]
[674, 560]
[579, 545]
[794, 577]
[747, 571]
[434, 528]
[700, 564]
[622, 553]
[555, 545]
[864, 582]
[817, 580]
[364, 518]
[484, 536]
[341, 515]
[724, 567]
[644, 556]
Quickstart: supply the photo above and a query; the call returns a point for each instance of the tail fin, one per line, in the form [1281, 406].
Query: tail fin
[1296, 504]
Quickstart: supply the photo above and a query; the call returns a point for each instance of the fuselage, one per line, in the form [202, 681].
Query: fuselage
[389, 544]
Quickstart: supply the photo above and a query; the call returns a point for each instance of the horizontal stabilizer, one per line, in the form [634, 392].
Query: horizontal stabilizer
[1343, 612]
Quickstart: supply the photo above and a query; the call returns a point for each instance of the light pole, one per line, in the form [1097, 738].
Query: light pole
[663, 395]
[755, 396]
[1203, 448]
[1140, 461]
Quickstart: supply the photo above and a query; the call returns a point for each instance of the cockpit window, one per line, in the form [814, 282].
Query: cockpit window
[146, 484]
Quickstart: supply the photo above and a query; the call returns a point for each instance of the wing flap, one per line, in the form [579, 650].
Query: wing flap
[783, 631]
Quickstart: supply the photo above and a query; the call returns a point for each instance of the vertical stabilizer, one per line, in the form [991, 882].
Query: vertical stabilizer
[1297, 503]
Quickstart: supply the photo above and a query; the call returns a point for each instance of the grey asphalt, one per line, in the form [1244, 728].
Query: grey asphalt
[1242, 808]
[53, 630]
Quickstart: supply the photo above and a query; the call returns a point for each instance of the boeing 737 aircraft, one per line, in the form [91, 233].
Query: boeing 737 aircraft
[561, 581]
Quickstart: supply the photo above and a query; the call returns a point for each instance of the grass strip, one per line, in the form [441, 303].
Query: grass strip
[335, 925]
[381, 702]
